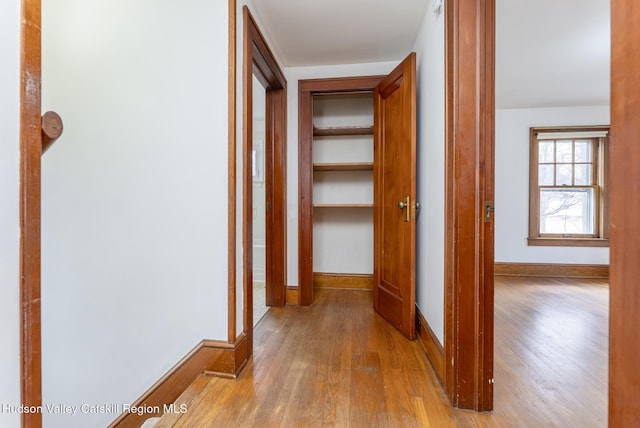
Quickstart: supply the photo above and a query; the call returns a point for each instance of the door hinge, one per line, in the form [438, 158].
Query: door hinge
[489, 209]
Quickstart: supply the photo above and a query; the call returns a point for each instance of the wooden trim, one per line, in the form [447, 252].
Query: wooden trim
[293, 296]
[469, 160]
[342, 205]
[343, 166]
[231, 220]
[259, 61]
[431, 345]
[567, 242]
[246, 178]
[551, 270]
[624, 336]
[342, 131]
[212, 357]
[30, 189]
[306, 90]
[343, 280]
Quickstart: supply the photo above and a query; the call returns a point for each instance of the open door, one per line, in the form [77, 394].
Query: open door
[395, 197]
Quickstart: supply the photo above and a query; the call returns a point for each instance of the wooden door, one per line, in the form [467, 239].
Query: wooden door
[395, 197]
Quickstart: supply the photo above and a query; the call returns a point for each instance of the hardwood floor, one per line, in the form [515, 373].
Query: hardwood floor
[337, 363]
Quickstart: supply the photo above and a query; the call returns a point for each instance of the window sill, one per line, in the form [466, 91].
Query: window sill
[567, 242]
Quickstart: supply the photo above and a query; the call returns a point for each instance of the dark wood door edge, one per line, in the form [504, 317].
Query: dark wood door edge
[469, 127]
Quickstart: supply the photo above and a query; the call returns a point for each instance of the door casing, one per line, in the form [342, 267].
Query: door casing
[258, 60]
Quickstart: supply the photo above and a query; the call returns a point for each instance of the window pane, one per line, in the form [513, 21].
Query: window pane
[583, 151]
[567, 211]
[545, 175]
[564, 151]
[545, 152]
[563, 175]
[583, 174]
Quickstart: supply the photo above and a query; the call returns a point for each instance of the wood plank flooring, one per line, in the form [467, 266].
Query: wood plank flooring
[339, 364]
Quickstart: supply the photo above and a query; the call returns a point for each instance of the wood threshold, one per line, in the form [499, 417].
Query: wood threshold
[430, 344]
[351, 281]
[293, 296]
[343, 166]
[552, 270]
[209, 356]
[342, 131]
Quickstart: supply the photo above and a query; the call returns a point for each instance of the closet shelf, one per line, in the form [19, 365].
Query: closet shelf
[343, 166]
[343, 205]
[342, 130]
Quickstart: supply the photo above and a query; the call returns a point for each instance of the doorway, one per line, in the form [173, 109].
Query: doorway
[259, 202]
[261, 72]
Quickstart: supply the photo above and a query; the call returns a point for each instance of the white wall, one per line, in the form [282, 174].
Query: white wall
[512, 184]
[134, 224]
[293, 75]
[9, 213]
[429, 48]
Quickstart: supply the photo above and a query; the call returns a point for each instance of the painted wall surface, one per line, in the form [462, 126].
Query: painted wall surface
[134, 218]
[294, 75]
[512, 184]
[9, 211]
[429, 48]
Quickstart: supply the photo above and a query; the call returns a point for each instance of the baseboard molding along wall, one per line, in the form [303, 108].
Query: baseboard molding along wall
[211, 357]
[430, 344]
[353, 281]
[551, 270]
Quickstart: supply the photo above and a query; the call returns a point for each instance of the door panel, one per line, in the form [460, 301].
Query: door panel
[394, 200]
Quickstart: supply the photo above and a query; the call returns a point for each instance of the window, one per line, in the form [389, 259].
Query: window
[568, 193]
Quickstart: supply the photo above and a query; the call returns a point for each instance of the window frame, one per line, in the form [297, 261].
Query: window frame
[600, 164]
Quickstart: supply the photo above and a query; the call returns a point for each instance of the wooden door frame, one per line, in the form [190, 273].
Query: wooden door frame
[306, 90]
[469, 140]
[624, 208]
[259, 60]
[30, 191]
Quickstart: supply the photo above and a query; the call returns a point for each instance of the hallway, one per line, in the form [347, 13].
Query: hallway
[339, 364]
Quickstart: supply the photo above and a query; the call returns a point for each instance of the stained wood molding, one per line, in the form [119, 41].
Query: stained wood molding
[293, 296]
[343, 280]
[624, 337]
[212, 357]
[431, 345]
[552, 270]
[30, 190]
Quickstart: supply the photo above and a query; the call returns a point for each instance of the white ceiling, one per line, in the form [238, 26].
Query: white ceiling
[324, 32]
[548, 52]
[552, 53]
